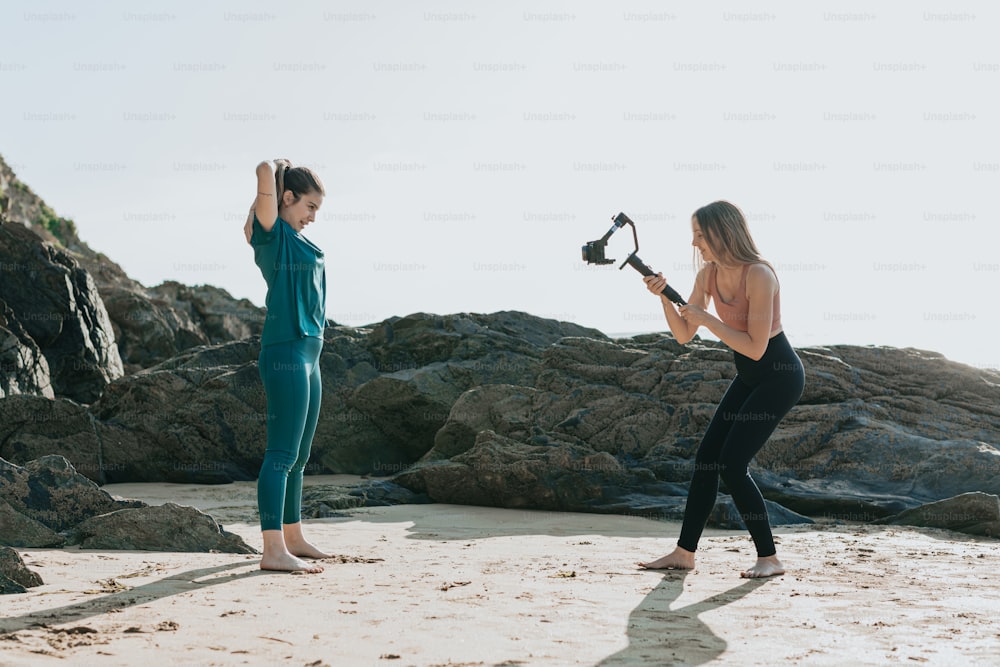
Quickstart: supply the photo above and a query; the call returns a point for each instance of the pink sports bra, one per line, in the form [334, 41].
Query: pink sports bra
[736, 312]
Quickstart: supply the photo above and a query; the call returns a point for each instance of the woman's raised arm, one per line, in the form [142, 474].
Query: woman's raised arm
[266, 204]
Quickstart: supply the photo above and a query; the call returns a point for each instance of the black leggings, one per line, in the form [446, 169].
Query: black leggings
[760, 395]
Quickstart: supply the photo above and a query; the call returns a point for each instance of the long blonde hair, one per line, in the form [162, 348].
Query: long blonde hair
[728, 235]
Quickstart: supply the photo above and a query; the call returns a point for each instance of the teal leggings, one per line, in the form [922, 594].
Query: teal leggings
[290, 372]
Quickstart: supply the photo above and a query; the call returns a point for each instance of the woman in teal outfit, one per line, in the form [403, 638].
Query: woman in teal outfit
[293, 267]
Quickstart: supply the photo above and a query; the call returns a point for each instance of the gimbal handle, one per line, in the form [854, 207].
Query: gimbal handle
[633, 260]
[640, 266]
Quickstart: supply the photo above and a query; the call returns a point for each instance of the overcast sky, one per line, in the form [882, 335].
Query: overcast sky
[470, 148]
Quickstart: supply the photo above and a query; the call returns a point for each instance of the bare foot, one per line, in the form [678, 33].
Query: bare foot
[286, 562]
[305, 550]
[764, 567]
[678, 559]
[291, 534]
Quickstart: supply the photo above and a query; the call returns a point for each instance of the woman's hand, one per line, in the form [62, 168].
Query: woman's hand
[694, 315]
[655, 284]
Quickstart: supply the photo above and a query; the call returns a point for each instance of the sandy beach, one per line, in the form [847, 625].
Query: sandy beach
[435, 585]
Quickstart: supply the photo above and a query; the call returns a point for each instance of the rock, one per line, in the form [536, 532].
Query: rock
[973, 513]
[12, 567]
[408, 407]
[168, 527]
[428, 361]
[325, 500]
[154, 324]
[879, 447]
[9, 586]
[214, 312]
[49, 491]
[18, 203]
[723, 515]
[200, 416]
[57, 303]
[32, 427]
[557, 476]
[187, 424]
[847, 500]
[401, 343]
[148, 331]
[17, 530]
[501, 408]
[47, 496]
[501, 472]
[23, 368]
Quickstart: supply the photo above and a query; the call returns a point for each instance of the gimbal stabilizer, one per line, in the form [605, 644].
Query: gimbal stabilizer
[593, 253]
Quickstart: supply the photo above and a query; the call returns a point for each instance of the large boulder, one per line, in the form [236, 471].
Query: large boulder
[501, 472]
[189, 421]
[32, 427]
[23, 368]
[49, 491]
[974, 513]
[57, 304]
[559, 476]
[168, 527]
[46, 500]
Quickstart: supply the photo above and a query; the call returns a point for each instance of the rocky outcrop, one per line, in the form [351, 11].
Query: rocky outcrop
[148, 325]
[200, 417]
[878, 430]
[47, 503]
[18, 203]
[57, 304]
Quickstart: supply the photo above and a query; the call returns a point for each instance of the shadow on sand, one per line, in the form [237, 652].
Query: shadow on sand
[658, 633]
[661, 635]
[175, 584]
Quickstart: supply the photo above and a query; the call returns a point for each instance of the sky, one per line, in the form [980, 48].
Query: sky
[469, 150]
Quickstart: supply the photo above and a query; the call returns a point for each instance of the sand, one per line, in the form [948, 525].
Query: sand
[423, 585]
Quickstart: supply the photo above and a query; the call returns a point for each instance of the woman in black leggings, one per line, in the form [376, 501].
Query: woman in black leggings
[768, 383]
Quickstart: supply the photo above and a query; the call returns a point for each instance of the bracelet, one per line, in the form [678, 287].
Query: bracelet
[266, 194]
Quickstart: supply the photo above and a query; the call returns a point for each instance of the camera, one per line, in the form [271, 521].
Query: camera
[593, 253]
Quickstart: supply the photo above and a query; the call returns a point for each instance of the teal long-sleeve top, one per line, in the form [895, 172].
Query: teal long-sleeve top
[295, 272]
